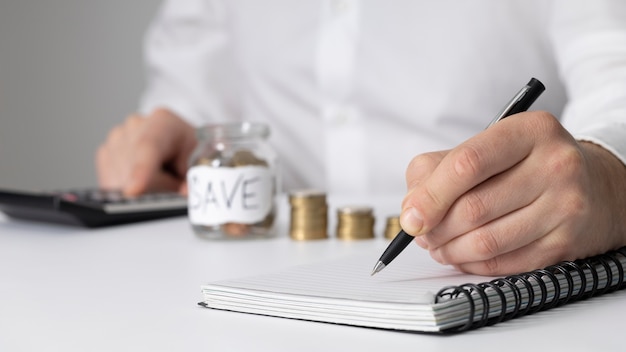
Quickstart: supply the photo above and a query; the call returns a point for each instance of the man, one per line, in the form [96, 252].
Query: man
[354, 90]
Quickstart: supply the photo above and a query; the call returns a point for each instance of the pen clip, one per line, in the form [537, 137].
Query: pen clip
[522, 100]
[509, 107]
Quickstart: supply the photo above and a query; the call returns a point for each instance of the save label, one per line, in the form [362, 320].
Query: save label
[229, 194]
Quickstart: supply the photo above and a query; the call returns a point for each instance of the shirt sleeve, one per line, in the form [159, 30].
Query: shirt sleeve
[187, 55]
[589, 38]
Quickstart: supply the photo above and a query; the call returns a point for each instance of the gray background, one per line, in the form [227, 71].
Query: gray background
[69, 71]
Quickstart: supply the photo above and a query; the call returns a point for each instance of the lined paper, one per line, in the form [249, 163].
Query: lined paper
[343, 291]
[412, 278]
[403, 295]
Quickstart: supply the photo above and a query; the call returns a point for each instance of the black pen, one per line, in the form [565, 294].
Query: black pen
[520, 102]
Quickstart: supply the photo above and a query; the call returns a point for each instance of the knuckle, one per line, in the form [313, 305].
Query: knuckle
[492, 267]
[419, 168]
[406, 201]
[424, 199]
[161, 111]
[486, 244]
[433, 200]
[546, 122]
[475, 209]
[574, 205]
[551, 249]
[116, 134]
[441, 255]
[567, 162]
[162, 116]
[134, 120]
[467, 162]
[559, 250]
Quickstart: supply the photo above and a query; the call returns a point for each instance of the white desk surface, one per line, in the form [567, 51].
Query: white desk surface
[136, 288]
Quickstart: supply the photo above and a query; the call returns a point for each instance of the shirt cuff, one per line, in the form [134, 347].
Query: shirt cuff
[610, 136]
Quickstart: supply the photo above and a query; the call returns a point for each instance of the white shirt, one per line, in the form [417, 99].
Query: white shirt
[353, 89]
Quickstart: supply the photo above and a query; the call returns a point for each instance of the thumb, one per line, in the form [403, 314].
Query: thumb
[418, 171]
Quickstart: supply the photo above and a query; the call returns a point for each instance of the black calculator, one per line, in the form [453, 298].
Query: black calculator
[90, 207]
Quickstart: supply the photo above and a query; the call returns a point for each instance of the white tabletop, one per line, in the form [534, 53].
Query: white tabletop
[136, 288]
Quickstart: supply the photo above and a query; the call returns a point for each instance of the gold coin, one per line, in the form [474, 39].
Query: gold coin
[355, 222]
[392, 227]
[309, 215]
[245, 157]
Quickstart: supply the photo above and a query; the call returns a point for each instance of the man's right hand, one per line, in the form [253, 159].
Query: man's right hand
[146, 154]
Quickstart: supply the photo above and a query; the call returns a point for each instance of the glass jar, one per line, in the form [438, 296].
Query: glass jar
[232, 182]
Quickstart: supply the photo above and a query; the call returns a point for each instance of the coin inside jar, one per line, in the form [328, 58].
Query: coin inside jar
[246, 157]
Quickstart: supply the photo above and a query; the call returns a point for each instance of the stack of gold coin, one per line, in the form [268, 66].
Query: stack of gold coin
[355, 223]
[393, 227]
[309, 215]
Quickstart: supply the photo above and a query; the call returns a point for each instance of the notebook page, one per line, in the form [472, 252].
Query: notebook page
[412, 278]
[401, 296]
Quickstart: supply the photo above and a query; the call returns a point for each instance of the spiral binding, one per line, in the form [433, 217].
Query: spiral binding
[513, 296]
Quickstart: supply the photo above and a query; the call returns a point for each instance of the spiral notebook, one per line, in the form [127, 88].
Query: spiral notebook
[413, 293]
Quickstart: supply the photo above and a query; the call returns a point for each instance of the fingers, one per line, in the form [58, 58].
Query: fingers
[146, 154]
[538, 254]
[422, 166]
[418, 171]
[172, 137]
[146, 174]
[501, 236]
[487, 154]
[498, 196]
[183, 189]
[530, 204]
[111, 155]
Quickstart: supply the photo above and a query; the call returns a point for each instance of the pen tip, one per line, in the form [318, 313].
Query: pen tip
[378, 267]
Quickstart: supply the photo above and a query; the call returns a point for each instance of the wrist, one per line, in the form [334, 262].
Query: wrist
[608, 175]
